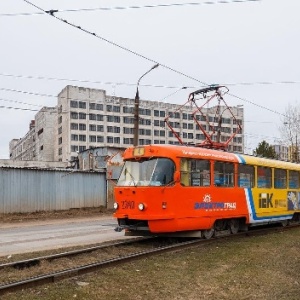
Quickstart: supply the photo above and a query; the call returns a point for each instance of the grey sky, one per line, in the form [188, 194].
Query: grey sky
[229, 43]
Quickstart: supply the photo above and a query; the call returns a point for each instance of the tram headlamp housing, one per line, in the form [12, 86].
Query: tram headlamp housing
[116, 205]
[141, 206]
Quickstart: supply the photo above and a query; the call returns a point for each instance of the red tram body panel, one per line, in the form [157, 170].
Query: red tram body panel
[179, 189]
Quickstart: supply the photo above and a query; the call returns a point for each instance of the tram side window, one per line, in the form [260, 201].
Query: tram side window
[223, 174]
[293, 180]
[195, 172]
[246, 176]
[264, 177]
[280, 177]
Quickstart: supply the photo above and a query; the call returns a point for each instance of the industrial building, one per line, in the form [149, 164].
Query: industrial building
[87, 118]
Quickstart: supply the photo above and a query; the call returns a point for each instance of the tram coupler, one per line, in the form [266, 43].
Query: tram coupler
[119, 228]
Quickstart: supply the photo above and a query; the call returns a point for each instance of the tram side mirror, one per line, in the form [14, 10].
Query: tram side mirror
[177, 176]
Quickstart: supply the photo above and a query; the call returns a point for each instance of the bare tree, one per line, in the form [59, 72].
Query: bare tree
[290, 129]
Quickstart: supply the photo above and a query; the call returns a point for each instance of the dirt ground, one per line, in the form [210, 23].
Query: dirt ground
[55, 215]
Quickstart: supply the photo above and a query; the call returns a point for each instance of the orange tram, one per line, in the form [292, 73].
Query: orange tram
[175, 190]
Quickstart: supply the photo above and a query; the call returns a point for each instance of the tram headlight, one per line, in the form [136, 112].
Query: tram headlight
[116, 205]
[141, 206]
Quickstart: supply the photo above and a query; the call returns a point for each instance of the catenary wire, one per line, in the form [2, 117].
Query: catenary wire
[52, 14]
[130, 7]
[283, 82]
[96, 82]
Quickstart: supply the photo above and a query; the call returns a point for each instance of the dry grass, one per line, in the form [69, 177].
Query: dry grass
[265, 267]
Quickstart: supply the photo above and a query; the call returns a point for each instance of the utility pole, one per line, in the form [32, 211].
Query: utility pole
[137, 108]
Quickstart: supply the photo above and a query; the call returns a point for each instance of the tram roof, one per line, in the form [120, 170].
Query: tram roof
[168, 150]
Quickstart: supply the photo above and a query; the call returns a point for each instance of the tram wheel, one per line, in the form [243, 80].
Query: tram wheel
[234, 226]
[207, 234]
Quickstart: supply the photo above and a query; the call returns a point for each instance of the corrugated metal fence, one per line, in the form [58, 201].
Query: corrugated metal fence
[30, 190]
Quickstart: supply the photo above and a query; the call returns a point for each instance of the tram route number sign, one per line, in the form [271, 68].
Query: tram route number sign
[128, 204]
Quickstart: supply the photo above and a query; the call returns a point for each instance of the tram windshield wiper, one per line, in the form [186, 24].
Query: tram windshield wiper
[131, 176]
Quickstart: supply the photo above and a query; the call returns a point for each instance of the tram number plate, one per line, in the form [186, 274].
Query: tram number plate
[127, 204]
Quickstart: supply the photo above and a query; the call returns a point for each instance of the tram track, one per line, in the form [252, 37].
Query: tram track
[105, 263]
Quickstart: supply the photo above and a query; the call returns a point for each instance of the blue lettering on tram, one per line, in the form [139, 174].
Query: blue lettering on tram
[215, 205]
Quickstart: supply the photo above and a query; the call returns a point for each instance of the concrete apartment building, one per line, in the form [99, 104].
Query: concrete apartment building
[37, 144]
[88, 118]
[283, 152]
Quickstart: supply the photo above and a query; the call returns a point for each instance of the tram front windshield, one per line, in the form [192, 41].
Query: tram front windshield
[151, 172]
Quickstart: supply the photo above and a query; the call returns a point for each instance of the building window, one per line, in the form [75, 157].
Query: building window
[82, 116]
[117, 140]
[73, 104]
[162, 133]
[156, 113]
[200, 136]
[128, 141]
[92, 138]
[59, 151]
[190, 136]
[60, 130]
[82, 137]
[144, 131]
[100, 139]
[92, 105]
[100, 128]
[74, 126]
[99, 117]
[74, 148]
[127, 130]
[110, 118]
[190, 126]
[59, 140]
[59, 120]
[110, 129]
[128, 120]
[110, 139]
[82, 127]
[99, 106]
[93, 127]
[82, 104]
[41, 131]
[128, 110]
[81, 148]
[116, 108]
[74, 137]
[177, 115]
[74, 115]
[162, 114]
[92, 116]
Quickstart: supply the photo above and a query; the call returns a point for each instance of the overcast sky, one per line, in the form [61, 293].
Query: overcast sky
[231, 43]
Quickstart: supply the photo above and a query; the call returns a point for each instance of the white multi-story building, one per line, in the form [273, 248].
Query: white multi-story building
[282, 152]
[88, 118]
[37, 144]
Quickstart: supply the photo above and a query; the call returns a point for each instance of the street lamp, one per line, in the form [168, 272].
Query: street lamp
[137, 107]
